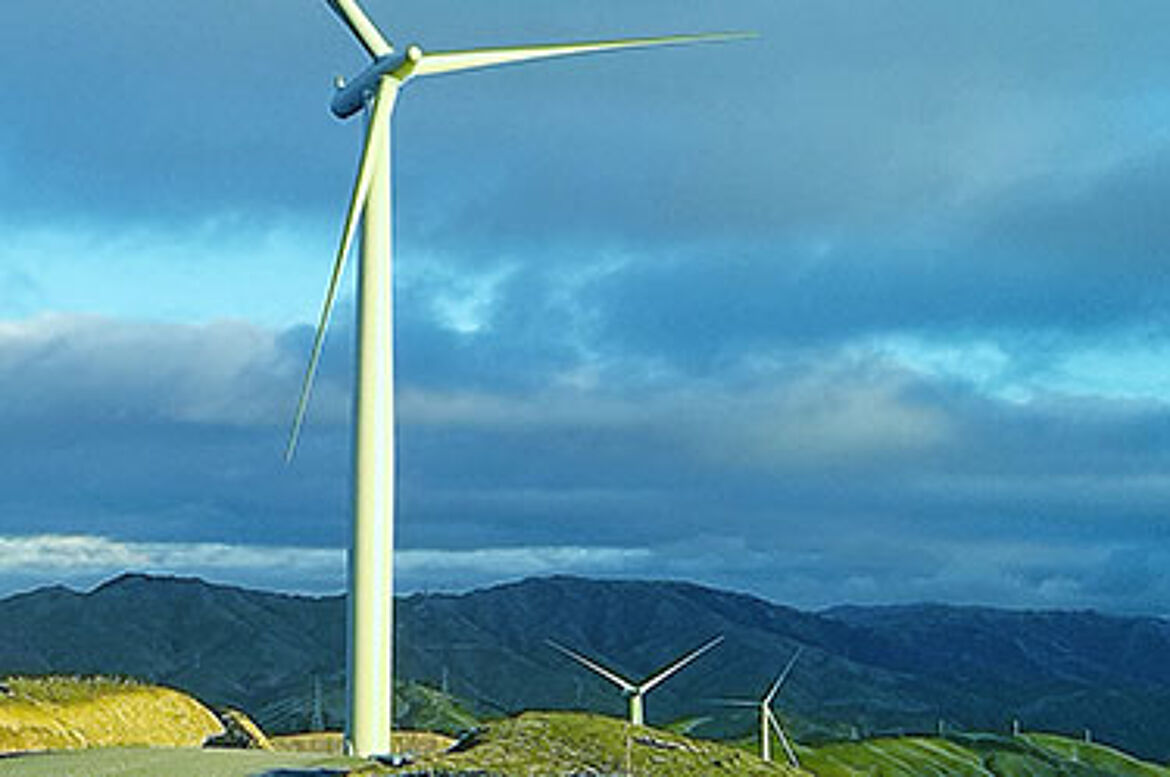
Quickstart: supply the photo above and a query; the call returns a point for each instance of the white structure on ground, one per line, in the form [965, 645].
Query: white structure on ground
[636, 692]
[371, 559]
[768, 720]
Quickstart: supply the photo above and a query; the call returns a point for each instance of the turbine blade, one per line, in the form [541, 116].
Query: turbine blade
[733, 702]
[362, 28]
[613, 677]
[434, 63]
[374, 147]
[792, 759]
[782, 676]
[654, 680]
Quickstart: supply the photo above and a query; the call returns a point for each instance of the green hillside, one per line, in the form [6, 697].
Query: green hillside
[281, 658]
[101, 716]
[554, 743]
[420, 708]
[550, 743]
[1094, 758]
[1031, 755]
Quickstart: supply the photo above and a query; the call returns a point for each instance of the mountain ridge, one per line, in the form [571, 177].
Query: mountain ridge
[870, 668]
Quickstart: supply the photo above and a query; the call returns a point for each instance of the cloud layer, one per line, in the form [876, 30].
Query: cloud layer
[872, 308]
[851, 476]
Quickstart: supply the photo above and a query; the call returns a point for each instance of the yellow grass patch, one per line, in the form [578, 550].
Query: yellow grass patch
[415, 742]
[419, 742]
[67, 712]
[316, 742]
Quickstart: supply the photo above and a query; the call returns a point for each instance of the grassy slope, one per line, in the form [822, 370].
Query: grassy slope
[1099, 757]
[536, 743]
[554, 743]
[112, 714]
[917, 756]
[420, 707]
[59, 712]
[878, 669]
[1034, 755]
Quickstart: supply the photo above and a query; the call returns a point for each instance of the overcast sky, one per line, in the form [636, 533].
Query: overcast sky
[872, 308]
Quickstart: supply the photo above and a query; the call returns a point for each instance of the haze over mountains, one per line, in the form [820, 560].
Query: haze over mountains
[873, 668]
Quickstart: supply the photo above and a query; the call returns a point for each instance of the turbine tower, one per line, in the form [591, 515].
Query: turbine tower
[371, 561]
[636, 692]
[768, 719]
[767, 716]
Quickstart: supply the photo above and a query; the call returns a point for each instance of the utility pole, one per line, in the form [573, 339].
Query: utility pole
[318, 721]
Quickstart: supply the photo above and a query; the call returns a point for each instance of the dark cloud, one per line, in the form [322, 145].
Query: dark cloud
[157, 432]
[642, 300]
[835, 117]
[824, 474]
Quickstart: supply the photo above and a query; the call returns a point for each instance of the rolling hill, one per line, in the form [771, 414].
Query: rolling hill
[73, 713]
[1031, 755]
[870, 669]
[550, 743]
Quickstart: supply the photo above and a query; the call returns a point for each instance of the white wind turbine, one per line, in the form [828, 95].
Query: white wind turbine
[371, 562]
[636, 692]
[768, 719]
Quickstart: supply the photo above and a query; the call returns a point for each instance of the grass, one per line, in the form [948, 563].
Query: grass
[330, 742]
[113, 727]
[562, 743]
[554, 744]
[424, 708]
[325, 742]
[1092, 756]
[52, 713]
[918, 756]
[1032, 755]
[65, 689]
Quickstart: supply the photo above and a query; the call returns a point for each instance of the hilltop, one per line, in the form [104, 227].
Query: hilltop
[564, 743]
[67, 713]
[548, 743]
[117, 726]
[531, 743]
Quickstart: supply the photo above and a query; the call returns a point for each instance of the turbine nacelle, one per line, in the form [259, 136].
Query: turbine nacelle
[354, 95]
[378, 85]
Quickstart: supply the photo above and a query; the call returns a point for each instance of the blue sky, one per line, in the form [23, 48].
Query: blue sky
[870, 309]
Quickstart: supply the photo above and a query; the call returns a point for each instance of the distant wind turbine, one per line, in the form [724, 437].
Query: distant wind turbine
[768, 719]
[636, 692]
[371, 562]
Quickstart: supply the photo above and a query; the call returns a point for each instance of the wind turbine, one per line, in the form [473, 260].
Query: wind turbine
[636, 692]
[371, 562]
[768, 719]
